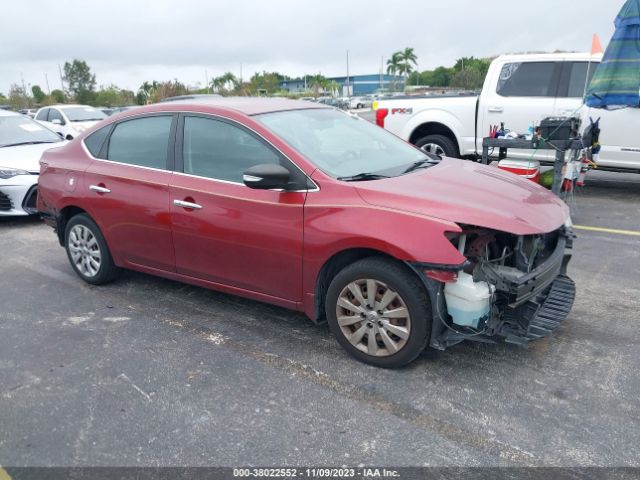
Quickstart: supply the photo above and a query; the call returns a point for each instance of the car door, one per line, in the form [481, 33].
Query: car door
[525, 93]
[234, 235]
[127, 190]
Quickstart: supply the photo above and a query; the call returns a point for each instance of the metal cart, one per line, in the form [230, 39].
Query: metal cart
[560, 146]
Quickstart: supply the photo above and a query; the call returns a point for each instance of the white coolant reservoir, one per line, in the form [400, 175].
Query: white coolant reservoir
[467, 301]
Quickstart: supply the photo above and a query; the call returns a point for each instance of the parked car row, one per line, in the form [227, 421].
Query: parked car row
[344, 103]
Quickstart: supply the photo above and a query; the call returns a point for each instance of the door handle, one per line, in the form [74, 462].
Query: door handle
[99, 189]
[183, 204]
[496, 109]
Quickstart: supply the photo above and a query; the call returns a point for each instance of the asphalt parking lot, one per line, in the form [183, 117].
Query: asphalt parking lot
[147, 371]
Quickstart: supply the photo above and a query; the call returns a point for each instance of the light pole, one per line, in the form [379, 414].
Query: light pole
[348, 89]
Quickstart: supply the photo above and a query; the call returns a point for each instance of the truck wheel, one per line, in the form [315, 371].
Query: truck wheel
[379, 312]
[438, 145]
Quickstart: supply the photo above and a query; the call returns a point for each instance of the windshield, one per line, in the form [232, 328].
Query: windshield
[20, 130]
[342, 145]
[83, 114]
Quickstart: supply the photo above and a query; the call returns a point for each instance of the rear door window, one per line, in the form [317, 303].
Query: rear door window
[143, 142]
[574, 78]
[42, 115]
[528, 79]
[55, 115]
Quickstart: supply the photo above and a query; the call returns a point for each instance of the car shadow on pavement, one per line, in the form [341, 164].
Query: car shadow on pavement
[17, 222]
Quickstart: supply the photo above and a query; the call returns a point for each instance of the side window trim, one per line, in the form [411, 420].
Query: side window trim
[563, 84]
[179, 147]
[170, 165]
[102, 154]
[555, 78]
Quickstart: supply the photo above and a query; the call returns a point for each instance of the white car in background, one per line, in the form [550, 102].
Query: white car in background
[69, 120]
[360, 102]
[22, 142]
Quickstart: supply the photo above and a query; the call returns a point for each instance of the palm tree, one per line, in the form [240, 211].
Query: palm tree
[224, 83]
[319, 83]
[394, 66]
[394, 63]
[229, 81]
[333, 87]
[409, 57]
[146, 90]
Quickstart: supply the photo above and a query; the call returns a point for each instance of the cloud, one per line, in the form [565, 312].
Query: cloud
[127, 42]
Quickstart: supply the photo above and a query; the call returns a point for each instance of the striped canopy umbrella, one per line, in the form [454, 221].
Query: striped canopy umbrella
[616, 81]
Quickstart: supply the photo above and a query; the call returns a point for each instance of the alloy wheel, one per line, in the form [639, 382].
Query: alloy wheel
[373, 317]
[433, 148]
[84, 250]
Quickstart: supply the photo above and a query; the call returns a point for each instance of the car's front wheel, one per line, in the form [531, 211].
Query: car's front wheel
[88, 251]
[379, 312]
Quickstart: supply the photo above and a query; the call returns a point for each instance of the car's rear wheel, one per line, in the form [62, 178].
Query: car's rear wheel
[379, 312]
[88, 251]
[438, 145]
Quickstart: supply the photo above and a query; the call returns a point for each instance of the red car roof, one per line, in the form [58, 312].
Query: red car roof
[246, 105]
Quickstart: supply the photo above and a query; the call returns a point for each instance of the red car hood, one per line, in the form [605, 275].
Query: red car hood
[467, 192]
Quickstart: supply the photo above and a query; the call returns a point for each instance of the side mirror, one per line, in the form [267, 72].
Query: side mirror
[56, 121]
[266, 177]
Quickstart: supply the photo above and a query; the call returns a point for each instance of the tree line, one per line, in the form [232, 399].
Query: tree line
[80, 83]
[467, 73]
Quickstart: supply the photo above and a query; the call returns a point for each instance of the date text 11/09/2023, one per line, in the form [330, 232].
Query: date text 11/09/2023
[315, 473]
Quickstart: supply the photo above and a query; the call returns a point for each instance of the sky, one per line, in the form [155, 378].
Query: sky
[126, 42]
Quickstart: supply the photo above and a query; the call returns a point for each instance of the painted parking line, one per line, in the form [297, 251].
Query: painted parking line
[3, 474]
[635, 233]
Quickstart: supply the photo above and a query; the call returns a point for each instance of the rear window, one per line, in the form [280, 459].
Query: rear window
[531, 79]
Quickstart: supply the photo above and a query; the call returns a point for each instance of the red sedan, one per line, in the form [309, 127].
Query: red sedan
[313, 209]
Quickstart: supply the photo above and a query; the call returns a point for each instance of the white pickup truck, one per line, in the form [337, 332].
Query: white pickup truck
[519, 90]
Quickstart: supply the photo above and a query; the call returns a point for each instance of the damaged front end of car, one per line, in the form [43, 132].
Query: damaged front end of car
[512, 287]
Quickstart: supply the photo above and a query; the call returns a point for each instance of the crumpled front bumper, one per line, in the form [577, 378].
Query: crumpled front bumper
[529, 285]
[539, 317]
[531, 305]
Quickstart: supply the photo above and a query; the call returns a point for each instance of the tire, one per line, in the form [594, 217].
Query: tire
[447, 147]
[88, 252]
[359, 106]
[352, 332]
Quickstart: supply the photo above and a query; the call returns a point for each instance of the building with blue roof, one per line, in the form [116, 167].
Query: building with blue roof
[357, 84]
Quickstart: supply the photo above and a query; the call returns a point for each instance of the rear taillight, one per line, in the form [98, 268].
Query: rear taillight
[381, 113]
